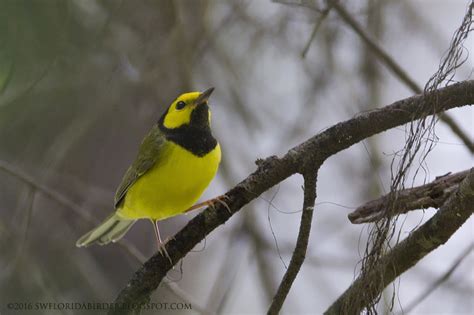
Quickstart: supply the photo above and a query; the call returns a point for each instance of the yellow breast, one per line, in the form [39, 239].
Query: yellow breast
[172, 186]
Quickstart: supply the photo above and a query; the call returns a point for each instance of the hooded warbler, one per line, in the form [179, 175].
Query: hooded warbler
[176, 162]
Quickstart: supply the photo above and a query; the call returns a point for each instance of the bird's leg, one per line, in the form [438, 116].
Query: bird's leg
[159, 242]
[211, 203]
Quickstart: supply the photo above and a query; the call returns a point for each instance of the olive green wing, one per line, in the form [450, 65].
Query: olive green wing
[149, 154]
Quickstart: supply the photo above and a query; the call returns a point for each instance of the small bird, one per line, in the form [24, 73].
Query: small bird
[176, 161]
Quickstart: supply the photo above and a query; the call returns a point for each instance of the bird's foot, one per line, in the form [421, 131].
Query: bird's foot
[161, 245]
[162, 250]
[212, 203]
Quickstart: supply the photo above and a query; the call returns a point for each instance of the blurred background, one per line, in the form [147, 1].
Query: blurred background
[81, 82]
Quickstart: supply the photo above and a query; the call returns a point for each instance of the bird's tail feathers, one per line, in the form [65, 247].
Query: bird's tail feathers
[111, 230]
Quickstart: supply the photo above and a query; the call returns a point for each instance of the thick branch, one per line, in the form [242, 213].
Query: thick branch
[299, 254]
[433, 195]
[435, 232]
[273, 170]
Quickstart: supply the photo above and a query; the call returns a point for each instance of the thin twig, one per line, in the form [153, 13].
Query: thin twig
[23, 237]
[435, 232]
[445, 276]
[227, 273]
[318, 24]
[48, 192]
[393, 66]
[30, 88]
[265, 272]
[375, 47]
[433, 195]
[299, 254]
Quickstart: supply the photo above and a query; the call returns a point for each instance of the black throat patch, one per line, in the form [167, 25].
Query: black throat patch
[196, 137]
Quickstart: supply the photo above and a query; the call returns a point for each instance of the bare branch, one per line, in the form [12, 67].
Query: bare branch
[273, 170]
[435, 232]
[445, 276]
[317, 25]
[48, 192]
[260, 246]
[393, 66]
[299, 254]
[448, 120]
[429, 195]
[375, 47]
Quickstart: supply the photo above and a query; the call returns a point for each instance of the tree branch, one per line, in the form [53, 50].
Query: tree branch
[439, 281]
[433, 195]
[317, 25]
[265, 271]
[299, 254]
[392, 65]
[48, 192]
[435, 232]
[273, 170]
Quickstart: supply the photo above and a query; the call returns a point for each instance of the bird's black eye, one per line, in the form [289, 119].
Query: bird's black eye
[180, 105]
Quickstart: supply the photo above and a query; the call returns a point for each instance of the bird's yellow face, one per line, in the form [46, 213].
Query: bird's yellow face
[188, 108]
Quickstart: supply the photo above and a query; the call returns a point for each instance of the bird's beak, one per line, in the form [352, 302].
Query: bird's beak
[204, 96]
